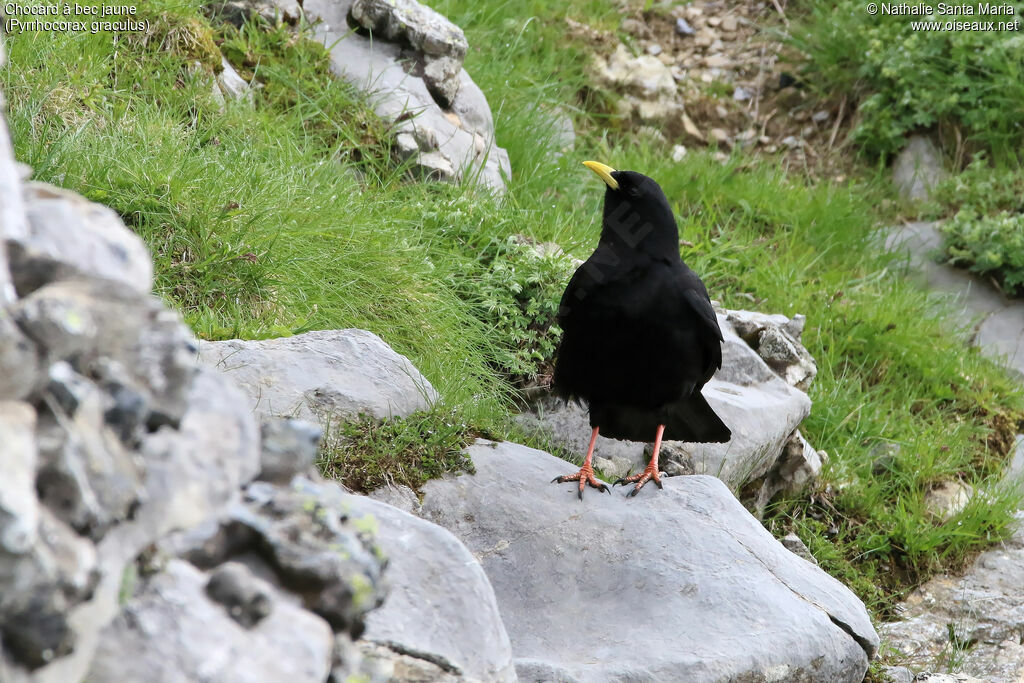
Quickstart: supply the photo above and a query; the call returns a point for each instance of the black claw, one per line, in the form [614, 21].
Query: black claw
[605, 489]
[556, 480]
[581, 494]
[659, 484]
[633, 492]
[618, 481]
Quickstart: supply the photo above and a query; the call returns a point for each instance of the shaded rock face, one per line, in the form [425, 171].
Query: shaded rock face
[113, 440]
[344, 373]
[409, 58]
[688, 558]
[755, 400]
[982, 611]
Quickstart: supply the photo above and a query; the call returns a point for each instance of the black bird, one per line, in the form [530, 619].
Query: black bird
[640, 337]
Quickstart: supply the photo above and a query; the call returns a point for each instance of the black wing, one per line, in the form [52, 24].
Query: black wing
[642, 334]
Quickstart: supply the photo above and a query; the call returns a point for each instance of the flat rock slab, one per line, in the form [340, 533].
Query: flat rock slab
[997, 322]
[341, 373]
[681, 584]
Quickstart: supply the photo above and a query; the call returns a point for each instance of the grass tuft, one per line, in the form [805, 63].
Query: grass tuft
[366, 454]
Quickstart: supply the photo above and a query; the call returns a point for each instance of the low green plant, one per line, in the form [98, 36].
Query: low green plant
[367, 453]
[988, 245]
[984, 228]
[905, 79]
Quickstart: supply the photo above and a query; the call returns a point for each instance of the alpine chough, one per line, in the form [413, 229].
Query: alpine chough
[640, 337]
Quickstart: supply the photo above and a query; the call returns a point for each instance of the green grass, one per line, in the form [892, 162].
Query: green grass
[366, 454]
[292, 214]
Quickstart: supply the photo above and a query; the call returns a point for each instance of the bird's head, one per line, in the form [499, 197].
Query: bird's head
[636, 212]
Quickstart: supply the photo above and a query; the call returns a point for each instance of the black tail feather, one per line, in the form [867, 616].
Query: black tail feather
[688, 419]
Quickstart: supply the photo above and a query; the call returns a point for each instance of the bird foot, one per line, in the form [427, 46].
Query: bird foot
[585, 477]
[641, 478]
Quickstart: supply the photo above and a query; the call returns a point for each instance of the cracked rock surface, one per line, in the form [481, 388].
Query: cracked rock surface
[730, 602]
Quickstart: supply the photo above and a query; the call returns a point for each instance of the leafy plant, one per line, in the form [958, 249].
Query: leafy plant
[988, 245]
[907, 79]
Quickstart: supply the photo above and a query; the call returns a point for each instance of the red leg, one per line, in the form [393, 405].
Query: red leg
[650, 472]
[586, 474]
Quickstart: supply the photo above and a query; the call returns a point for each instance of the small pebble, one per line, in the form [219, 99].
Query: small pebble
[678, 152]
[654, 50]
[791, 141]
[683, 27]
[741, 94]
[820, 116]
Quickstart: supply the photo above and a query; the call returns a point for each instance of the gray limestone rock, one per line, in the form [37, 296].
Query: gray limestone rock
[171, 631]
[86, 475]
[441, 76]
[69, 236]
[997, 323]
[341, 373]
[798, 466]
[983, 607]
[383, 664]
[440, 600]
[40, 585]
[776, 339]
[19, 360]
[614, 468]
[787, 357]
[246, 598]
[231, 84]
[238, 11]
[646, 85]
[409, 22]
[793, 544]
[898, 674]
[288, 447]
[948, 499]
[13, 222]
[427, 93]
[684, 570]
[19, 509]
[400, 496]
[296, 538]
[440, 606]
[117, 335]
[918, 168]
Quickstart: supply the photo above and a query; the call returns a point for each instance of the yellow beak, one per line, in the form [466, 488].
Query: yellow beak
[605, 173]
